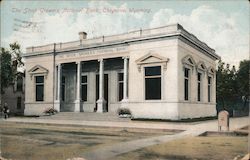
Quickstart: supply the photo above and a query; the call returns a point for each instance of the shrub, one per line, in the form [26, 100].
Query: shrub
[123, 111]
[50, 111]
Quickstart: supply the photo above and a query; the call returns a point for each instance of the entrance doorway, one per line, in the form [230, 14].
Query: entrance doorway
[105, 91]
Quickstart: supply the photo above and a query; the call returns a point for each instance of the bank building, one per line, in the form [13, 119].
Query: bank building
[158, 73]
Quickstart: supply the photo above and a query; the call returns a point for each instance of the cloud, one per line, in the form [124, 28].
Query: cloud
[97, 19]
[42, 28]
[219, 30]
[162, 17]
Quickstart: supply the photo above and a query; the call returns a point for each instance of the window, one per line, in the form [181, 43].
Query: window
[186, 83]
[18, 103]
[153, 83]
[39, 88]
[84, 88]
[63, 88]
[120, 86]
[199, 87]
[19, 85]
[209, 89]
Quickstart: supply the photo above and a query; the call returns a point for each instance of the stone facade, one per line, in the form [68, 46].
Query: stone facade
[107, 73]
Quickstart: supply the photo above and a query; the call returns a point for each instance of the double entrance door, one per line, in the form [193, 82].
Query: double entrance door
[106, 78]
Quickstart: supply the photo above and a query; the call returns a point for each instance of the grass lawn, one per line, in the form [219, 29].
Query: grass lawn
[192, 148]
[21, 141]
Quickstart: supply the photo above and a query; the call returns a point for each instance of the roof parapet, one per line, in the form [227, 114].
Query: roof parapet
[171, 29]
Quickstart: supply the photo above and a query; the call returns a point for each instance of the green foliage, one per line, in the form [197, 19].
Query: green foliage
[50, 111]
[232, 86]
[7, 75]
[243, 80]
[10, 60]
[122, 111]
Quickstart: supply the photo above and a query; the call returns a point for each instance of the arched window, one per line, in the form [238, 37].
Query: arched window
[188, 65]
[210, 79]
[201, 70]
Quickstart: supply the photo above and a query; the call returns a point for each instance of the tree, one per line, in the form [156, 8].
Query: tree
[243, 81]
[226, 86]
[232, 86]
[220, 86]
[10, 60]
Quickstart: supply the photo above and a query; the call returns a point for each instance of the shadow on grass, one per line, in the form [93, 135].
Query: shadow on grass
[45, 131]
[146, 155]
[188, 120]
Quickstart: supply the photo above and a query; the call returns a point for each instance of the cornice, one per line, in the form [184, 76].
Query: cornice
[180, 34]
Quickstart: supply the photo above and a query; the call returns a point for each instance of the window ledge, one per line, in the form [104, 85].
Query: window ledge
[156, 101]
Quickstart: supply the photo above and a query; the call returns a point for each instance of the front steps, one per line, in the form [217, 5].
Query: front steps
[86, 116]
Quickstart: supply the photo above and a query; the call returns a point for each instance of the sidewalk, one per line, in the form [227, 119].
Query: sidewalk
[122, 124]
[210, 125]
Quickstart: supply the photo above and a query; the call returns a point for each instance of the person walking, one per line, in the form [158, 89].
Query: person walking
[6, 111]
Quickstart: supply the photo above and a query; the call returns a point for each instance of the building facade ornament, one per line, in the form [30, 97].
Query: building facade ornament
[38, 70]
[152, 58]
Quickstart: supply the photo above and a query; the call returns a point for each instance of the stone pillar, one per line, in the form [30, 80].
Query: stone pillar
[101, 101]
[59, 78]
[58, 98]
[78, 87]
[124, 101]
[125, 80]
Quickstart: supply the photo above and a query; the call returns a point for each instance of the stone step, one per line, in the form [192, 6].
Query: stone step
[85, 116]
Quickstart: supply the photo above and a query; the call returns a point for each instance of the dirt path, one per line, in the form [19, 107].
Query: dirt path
[112, 151]
[195, 130]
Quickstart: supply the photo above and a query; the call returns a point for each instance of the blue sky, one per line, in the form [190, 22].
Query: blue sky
[223, 25]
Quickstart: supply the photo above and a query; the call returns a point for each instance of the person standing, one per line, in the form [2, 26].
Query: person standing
[6, 110]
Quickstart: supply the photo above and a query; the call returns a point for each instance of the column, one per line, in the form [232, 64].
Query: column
[58, 97]
[101, 90]
[59, 82]
[125, 103]
[125, 80]
[101, 102]
[78, 86]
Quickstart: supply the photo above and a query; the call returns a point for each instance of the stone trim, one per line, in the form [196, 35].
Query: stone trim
[211, 71]
[38, 70]
[188, 62]
[201, 67]
[155, 59]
